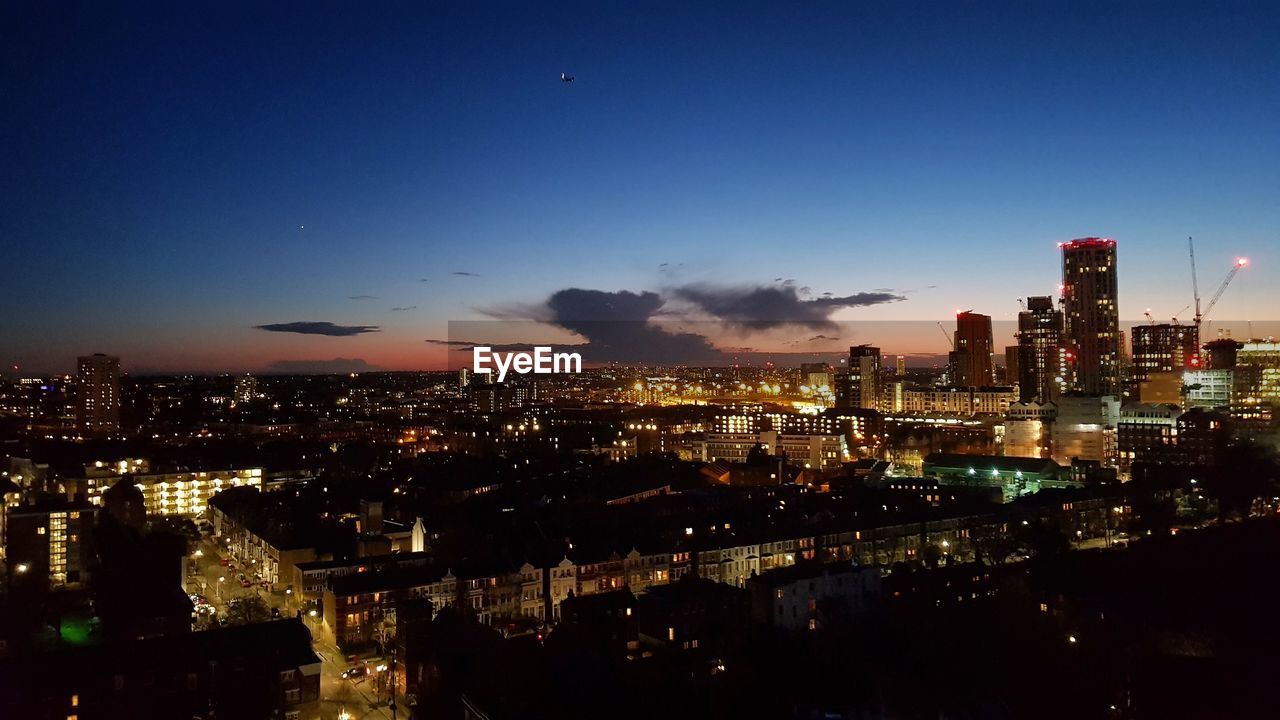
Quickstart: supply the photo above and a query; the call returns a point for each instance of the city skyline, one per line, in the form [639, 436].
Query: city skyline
[285, 192]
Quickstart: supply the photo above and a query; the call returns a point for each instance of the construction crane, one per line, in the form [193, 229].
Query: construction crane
[1239, 265]
[950, 341]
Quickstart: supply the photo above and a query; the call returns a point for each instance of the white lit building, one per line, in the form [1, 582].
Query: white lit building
[185, 493]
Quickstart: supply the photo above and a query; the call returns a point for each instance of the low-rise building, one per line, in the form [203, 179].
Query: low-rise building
[805, 597]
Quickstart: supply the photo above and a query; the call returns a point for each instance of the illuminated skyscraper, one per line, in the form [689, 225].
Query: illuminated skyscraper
[1091, 317]
[972, 361]
[98, 394]
[1040, 353]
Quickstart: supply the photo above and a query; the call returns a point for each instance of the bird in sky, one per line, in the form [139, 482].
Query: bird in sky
[566, 78]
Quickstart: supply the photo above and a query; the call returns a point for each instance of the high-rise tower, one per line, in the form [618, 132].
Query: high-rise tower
[1040, 352]
[98, 394]
[1091, 318]
[972, 361]
[862, 381]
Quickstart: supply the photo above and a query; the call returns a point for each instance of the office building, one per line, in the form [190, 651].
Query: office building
[1091, 317]
[98, 394]
[1041, 356]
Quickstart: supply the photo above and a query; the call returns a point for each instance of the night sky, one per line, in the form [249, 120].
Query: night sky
[248, 188]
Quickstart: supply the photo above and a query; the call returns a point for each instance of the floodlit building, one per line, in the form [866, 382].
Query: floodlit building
[1085, 429]
[1027, 428]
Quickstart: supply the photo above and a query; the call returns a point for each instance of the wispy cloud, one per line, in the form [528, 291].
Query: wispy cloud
[406, 308]
[318, 328]
[463, 273]
[362, 297]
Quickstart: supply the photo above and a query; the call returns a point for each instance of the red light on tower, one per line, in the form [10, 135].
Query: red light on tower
[1241, 262]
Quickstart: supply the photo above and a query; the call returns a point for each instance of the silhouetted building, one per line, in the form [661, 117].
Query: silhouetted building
[806, 596]
[972, 359]
[265, 671]
[47, 543]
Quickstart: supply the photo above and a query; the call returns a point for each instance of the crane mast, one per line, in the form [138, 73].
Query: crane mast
[1195, 284]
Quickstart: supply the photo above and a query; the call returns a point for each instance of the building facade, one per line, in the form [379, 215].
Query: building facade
[1091, 317]
[98, 394]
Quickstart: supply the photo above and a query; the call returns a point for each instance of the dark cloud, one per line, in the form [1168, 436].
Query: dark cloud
[322, 367]
[761, 308]
[462, 273]
[616, 328]
[406, 308]
[624, 327]
[502, 347]
[362, 297]
[318, 328]
[424, 279]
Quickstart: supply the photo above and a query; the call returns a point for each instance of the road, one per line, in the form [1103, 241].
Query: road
[355, 698]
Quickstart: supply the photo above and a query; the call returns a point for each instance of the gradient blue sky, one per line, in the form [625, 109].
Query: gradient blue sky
[157, 165]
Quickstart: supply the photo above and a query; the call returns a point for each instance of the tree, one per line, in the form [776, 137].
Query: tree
[247, 610]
